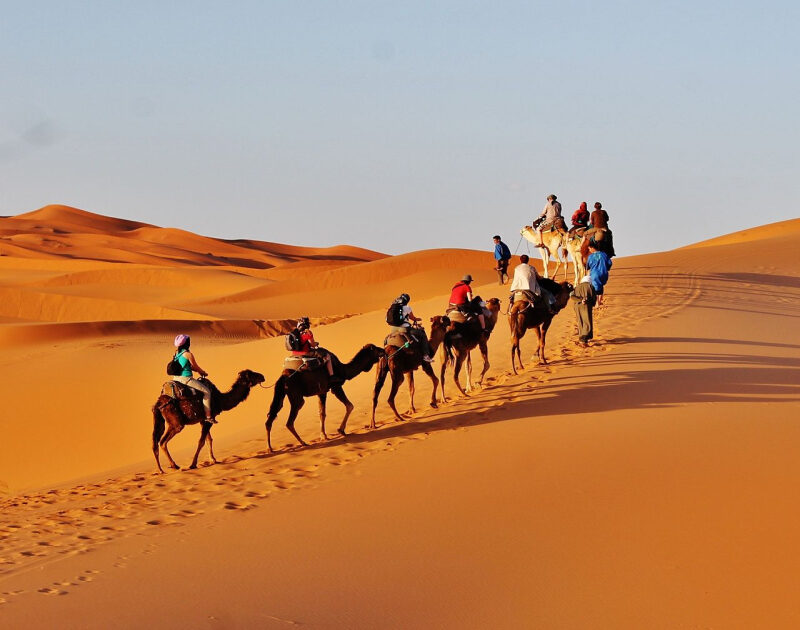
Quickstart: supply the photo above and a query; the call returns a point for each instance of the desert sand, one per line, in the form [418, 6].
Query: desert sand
[642, 482]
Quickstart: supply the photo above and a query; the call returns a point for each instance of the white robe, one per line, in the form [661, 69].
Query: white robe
[525, 279]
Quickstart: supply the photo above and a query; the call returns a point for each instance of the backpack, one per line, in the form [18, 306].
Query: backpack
[293, 340]
[174, 368]
[394, 316]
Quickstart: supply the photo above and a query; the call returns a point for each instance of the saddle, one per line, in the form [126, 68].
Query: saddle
[179, 391]
[456, 316]
[397, 339]
[299, 364]
[577, 231]
[525, 296]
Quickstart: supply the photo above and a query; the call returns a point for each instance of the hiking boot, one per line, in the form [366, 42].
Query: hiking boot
[211, 420]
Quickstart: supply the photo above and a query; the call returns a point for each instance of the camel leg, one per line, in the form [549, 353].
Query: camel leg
[545, 261]
[159, 424]
[514, 346]
[296, 401]
[483, 345]
[172, 431]
[445, 361]
[269, 423]
[411, 389]
[426, 367]
[381, 371]
[211, 447]
[348, 407]
[396, 380]
[205, 429]
[322, 413]
[275, 407]
[543, 339]
[457, 371]
[469, 372]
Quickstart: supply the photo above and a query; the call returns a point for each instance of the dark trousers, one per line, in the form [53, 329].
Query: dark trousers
[502, 271]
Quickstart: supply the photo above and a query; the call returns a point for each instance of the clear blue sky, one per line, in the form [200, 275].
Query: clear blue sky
[403, 125]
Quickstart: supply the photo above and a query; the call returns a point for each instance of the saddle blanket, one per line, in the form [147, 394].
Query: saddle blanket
[301, 363]
[458, 317]
[396, 339]
[174, 389]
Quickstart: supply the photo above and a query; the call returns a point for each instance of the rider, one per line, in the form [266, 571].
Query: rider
[309, 347]
[599, 232]
[580, 218]
[462, 300]
[415, 333]
[599, 218]
[548, 217]
[502, 255]
[526, 280]
[189, 365]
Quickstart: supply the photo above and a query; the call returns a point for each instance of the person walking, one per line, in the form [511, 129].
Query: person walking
[501, 255]
[583, 298]
[598, 265]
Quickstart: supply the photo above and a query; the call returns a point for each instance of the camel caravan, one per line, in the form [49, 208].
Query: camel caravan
[468, 323]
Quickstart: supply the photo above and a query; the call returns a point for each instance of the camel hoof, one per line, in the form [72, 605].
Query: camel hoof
[342, 432]
[434, 405]
[193, 467]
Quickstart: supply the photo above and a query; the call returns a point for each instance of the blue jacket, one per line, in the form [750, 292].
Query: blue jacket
[598, 265]
[501, 251]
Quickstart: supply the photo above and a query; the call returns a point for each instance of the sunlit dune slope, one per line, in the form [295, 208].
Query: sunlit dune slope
[782, 229]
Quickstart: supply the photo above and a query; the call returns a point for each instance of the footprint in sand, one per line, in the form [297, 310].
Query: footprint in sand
[51, 591]
[234, 505]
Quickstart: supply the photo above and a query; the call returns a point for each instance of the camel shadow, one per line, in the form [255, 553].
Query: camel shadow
[721, 378]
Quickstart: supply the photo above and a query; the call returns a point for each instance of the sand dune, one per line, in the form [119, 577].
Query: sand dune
[641, 482]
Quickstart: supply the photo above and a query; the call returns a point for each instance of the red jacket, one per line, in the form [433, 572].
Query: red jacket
[581, 216]
[307, 343]
[460, 294]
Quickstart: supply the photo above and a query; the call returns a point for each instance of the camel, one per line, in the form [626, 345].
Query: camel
[461, 341]
[555, 245]
[299, 384]
[574, 246]
[524, 315]
[174, 414]
[404, 360]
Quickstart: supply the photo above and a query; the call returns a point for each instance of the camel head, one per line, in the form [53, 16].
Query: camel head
[439, 322]
[250, 378]
[493, 304]
[562, 297]
[369, 355]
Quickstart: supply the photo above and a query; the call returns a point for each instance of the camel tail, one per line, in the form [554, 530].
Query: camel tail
[278, 397]
[448, 347]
